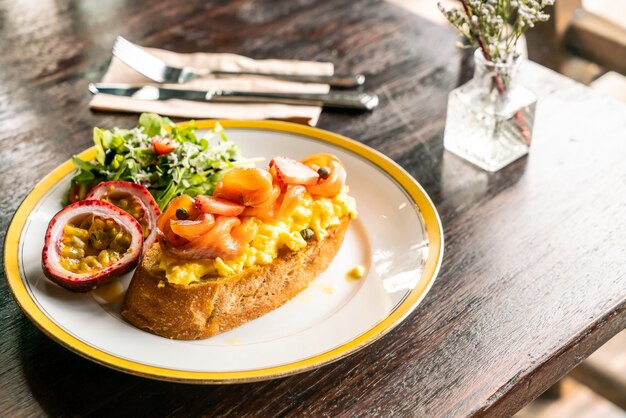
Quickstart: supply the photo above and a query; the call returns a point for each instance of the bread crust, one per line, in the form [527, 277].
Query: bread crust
[201, 310]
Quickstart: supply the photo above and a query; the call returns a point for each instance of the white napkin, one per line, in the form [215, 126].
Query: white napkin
[118, 72]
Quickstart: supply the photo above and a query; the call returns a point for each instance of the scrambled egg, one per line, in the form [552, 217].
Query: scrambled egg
[356, 272]
[318, 214]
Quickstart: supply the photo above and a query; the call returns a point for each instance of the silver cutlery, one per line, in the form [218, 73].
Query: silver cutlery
[345, 100]
[157, 70]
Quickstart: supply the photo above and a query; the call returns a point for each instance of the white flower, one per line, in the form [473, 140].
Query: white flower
[491, 22]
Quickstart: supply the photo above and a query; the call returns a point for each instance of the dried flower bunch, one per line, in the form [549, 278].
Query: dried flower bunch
[496, 25]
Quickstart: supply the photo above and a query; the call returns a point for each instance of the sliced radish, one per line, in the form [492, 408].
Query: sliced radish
[291, 171]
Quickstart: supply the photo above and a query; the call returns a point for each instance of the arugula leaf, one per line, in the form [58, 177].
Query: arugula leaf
[81, 164]
[84, 177]
[194, 167]
[116, 141]
[151, 123]
[98, 135]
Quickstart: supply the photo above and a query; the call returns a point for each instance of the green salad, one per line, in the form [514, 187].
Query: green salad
[168, 160]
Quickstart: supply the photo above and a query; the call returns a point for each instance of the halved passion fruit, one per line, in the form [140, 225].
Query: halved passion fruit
[134, 199]
[90, 242]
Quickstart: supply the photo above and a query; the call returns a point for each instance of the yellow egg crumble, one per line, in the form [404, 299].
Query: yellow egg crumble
[318, 214]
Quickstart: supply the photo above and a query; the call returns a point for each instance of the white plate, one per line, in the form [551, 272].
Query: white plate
[397, 236]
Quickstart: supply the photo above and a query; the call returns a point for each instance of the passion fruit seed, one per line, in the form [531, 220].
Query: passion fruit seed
[133, 206]
[120, 243]
[101, 233]
[90, 263]
[77, 232]
[130, 205]
[77, 242]
[107, 257]
[307, 234]
[182, 214]
[72, 252]
[96, 244]
[133, 199]
[323, 172]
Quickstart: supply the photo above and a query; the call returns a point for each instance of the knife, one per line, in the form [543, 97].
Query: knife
[359, 101]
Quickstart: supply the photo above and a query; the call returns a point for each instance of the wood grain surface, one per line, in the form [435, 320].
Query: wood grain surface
[534, 273]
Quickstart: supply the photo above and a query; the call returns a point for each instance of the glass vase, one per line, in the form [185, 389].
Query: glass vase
[490, 118]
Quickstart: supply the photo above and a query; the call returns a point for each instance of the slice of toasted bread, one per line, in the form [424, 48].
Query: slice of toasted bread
[200, 310]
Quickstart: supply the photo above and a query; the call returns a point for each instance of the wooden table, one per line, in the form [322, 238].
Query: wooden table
[534, 275]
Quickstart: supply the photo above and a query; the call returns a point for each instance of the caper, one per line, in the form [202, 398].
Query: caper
[324, 172]
[307, 234]
[182, 214]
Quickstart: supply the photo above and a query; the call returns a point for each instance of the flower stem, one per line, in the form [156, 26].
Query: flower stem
[496, 77]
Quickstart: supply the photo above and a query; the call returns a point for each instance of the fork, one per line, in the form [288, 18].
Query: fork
[157, 70]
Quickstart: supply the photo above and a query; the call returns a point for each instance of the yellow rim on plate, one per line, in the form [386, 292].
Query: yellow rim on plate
[413, 189]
